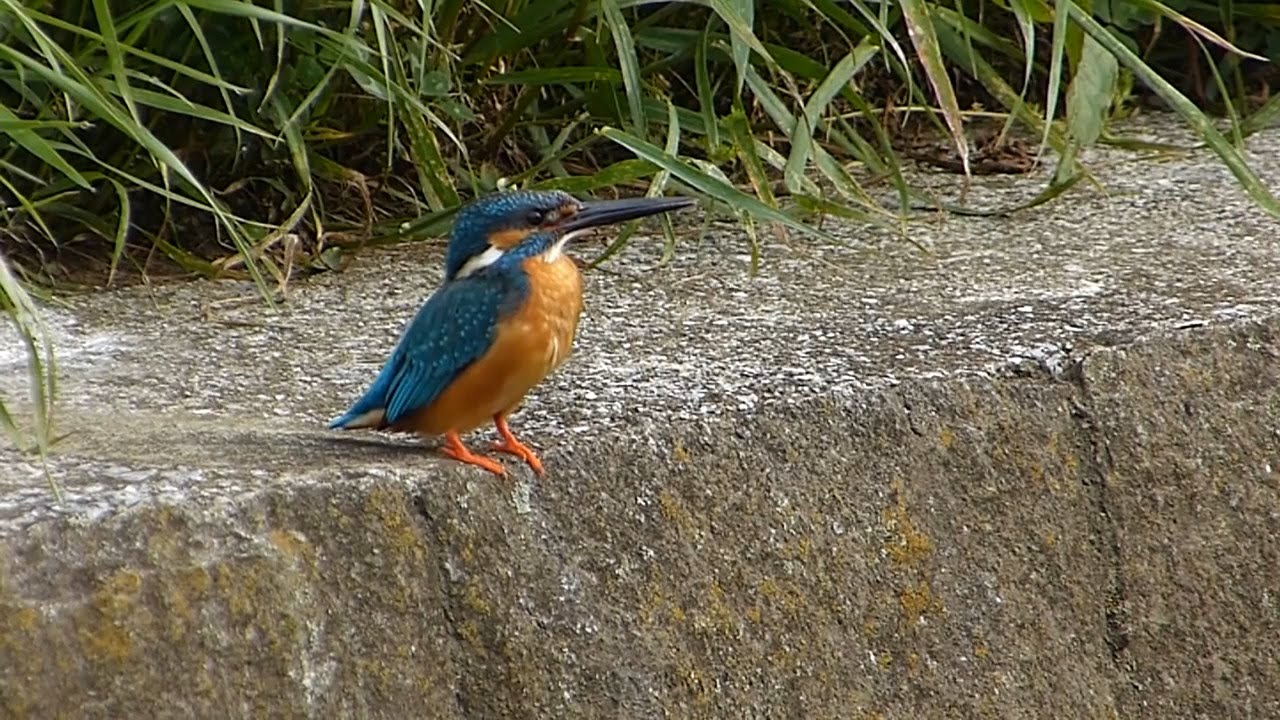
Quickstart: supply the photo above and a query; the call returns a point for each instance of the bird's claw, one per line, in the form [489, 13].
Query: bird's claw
[521, 451]
[453, 448]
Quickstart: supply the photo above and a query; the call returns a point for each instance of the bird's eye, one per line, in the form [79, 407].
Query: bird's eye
[536, 217]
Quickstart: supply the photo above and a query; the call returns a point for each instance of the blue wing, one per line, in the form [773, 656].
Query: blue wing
[452, 329]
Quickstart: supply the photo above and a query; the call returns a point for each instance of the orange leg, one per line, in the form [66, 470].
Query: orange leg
[454, 448]
[512, 446]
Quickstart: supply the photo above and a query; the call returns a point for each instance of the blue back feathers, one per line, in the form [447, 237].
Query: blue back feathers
[458, 322]
[451, 330]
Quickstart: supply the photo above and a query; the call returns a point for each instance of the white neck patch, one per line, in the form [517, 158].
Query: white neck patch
[478, 262]
[556, 250]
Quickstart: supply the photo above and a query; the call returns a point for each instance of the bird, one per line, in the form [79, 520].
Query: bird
[503, 319]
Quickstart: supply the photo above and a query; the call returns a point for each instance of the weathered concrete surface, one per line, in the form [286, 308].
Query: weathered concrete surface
[1035, 474]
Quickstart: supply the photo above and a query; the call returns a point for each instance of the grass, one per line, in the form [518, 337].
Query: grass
[271, 138]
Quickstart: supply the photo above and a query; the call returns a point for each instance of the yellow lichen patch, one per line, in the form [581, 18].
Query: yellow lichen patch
[797, 549]
[195, 581]
[118, 592]
[674, 512]
[696, 681]
[24, 619]
[782, 596]
[470, 633]
[981, 651]
[753, 614]
[906, 545]
[181, 614]
[107, 642]
[476, 601]
[946, 438]
[1071, 462]
[719, 616]
[239, 590]
[913, 661]
[917, 601]
[679, 452]
[392, 513]
[103, 635]
[289, 543]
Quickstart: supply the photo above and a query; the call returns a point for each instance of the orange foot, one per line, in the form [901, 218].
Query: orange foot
[512, 446]
[454, 448]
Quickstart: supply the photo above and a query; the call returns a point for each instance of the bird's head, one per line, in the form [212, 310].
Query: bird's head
[527, 223]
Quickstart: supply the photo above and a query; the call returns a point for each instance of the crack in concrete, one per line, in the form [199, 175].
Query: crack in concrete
[1103, 527]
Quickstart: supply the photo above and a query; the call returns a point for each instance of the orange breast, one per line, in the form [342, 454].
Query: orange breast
[528, 346]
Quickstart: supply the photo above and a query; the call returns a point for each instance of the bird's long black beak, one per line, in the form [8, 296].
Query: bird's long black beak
[608, 212]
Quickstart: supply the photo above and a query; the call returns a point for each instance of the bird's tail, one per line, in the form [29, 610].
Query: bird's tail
[370, 411]
[354, 419]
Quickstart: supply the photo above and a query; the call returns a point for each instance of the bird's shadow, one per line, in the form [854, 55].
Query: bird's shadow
[331, 446]
[382, 443]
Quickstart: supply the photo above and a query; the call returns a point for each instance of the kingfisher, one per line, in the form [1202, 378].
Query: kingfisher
[504, 318]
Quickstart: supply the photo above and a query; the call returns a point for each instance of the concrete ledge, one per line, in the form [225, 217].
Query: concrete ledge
[1058, 500]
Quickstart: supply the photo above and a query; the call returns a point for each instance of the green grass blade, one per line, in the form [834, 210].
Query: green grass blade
[739, 15]
[30, 208]
[1022, 13]
[212, 60]
[77, 85]
[31, 141]
[706, 93]
[1199, 122]
[628, 62]
[115, 56]
[1262, 118]
[122, 227]
[656, 187]
[1058, 51]
[920, 28]
[801, 139]
[1196, 28]
[712, 187]
[557, 76]
[41, 370]
[744, 144]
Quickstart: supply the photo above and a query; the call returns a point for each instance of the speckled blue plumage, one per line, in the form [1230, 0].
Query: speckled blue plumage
[450, 331]
[475, 222]
[457, 324]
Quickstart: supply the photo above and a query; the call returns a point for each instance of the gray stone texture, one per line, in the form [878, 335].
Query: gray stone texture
[1034, 472]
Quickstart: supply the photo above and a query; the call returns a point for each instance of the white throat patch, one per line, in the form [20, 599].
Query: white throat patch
[475, 263]
[554, 252]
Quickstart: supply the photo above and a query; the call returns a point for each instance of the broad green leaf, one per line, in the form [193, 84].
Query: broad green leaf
[1199, 122]
[1089, 93]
